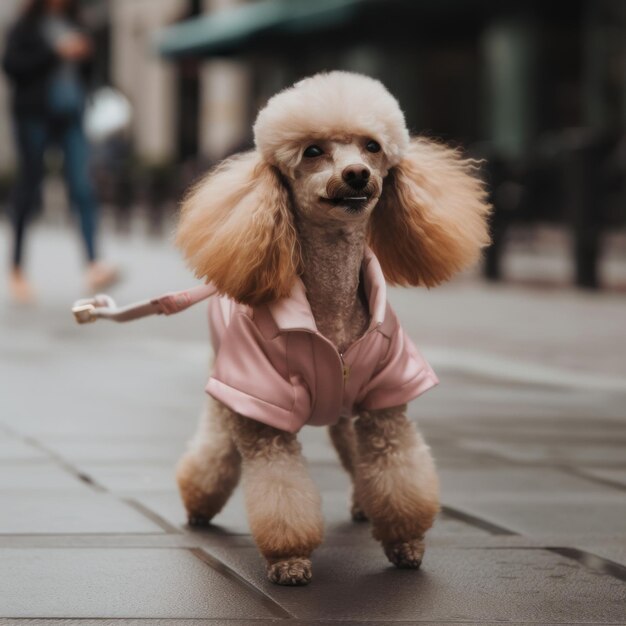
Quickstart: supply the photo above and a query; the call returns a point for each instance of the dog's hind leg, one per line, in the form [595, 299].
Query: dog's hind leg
[283, 504]
[344, 439]
[209, 470]
[396, 483]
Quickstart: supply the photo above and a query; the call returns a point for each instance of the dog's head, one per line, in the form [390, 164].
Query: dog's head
[333, 137]
[333, 148]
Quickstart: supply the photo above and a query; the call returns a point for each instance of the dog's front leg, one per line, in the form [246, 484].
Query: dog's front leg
[396, 483]
[283, 504]
[209, 470]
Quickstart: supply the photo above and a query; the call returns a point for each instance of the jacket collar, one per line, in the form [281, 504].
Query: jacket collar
[294, 311]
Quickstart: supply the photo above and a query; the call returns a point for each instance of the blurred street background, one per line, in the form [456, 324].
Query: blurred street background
[528, 425]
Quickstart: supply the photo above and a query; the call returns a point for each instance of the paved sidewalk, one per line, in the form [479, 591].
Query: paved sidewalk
[528, 428]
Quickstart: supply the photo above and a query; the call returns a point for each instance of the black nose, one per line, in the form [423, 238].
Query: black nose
[356, 176]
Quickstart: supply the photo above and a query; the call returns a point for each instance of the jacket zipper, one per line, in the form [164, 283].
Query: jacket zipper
[345, 368]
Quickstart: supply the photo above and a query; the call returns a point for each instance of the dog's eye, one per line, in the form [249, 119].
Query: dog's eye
[313, 151]
[372, 146]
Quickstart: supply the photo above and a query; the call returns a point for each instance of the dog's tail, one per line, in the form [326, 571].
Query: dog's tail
[104, 307]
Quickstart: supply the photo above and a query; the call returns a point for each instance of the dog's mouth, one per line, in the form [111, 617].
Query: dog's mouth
[350, 200]
[350, 203]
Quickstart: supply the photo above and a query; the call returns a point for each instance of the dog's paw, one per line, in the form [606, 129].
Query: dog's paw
[406, 555]
[197, 520]
[357, 513]
[293, 571]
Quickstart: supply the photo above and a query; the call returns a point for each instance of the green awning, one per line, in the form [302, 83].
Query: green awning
[230, 30]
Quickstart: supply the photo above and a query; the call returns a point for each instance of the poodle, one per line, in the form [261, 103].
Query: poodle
[297, 239]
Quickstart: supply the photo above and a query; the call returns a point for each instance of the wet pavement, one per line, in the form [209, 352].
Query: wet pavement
[528, 428]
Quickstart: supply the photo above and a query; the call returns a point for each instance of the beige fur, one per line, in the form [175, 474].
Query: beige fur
[431, 220]
[335, 105]
[209, 471]
[263, 218]
[236, 230]
[396, 482]
[283, 504]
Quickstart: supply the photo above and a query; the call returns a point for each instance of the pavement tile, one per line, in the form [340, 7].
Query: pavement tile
[147, 622]
[615, 475]
[127, 405]
[446, 526]
[545, 430]
[52, 512]
[552, 454]
[154, 622]
[92, 583]
[255, 622]
[130, 478]
[330, 476]
[232, 519]
[576, 435]
[521, 481]
[38, 476]
[551, 514]
[106, 540]
[479, 398]
[316, 446]
[339, 528]
[12, 449]
[455, 585]
[453, 456]
[124, 451]
[614, 551]
[501, 446]
[214, 535]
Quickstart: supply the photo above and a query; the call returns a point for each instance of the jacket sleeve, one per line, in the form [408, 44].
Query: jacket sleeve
[403, 375]
[27, 54]
[250, 377]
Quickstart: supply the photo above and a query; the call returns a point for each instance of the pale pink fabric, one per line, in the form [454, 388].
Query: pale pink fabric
[273, 365]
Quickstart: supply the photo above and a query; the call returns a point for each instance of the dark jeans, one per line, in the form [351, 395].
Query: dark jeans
[33, 135]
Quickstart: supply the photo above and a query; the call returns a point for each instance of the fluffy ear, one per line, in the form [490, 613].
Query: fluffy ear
[236, 230]
[431, 219]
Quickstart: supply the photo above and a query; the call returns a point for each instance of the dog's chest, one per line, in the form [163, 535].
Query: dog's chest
[343, 328]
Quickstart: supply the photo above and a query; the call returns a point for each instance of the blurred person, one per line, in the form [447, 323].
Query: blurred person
[45, 58]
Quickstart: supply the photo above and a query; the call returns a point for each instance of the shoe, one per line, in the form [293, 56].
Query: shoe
[20, 290]
[100, 276]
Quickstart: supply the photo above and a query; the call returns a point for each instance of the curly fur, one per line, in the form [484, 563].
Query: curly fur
[236, 230]
[396, 482]
[332, 105]
[431, 220]
[210, 469]
[236, 226]
[263, 218]
[283, 504]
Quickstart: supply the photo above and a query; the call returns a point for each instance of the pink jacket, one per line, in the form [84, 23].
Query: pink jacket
[274, 366]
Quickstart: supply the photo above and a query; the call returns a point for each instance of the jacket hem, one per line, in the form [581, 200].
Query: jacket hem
[386, 398]
[251, 407]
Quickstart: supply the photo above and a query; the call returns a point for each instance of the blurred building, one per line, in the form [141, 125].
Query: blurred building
[539, 88]
[182, 109]
[503, 71]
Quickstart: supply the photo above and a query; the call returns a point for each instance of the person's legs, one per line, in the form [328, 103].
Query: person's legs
[30, 140]
[80, 191]
[83, 199]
